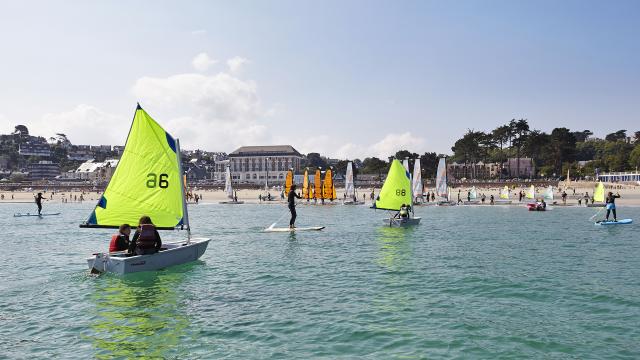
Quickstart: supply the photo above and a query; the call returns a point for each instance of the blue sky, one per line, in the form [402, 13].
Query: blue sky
[346, 78]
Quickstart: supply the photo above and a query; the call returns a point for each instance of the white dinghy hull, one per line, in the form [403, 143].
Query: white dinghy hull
[175, 254]
[402, 222]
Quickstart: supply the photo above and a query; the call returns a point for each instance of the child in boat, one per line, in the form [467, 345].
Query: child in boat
[120, 241]
[146, 239]
[611, 205]
[404, 211]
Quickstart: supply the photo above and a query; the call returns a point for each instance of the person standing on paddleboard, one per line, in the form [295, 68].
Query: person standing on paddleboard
[39, 202]
[611, 205]
[291, 199]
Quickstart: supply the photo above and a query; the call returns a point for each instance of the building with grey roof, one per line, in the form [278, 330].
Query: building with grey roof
[251, 164]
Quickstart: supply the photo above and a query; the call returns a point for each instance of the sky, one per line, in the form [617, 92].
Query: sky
[348, 79]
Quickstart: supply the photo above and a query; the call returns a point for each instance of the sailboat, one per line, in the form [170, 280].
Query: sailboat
[228, 189]
[441, 183]
[395, 192]
[328, 187]
[598, 195]
[531, 194]
[416, 185]
[351, 197]
[306, 189]
[147, 181]
[548, 194]
[474, 193]
[317, 186]
[288, 181]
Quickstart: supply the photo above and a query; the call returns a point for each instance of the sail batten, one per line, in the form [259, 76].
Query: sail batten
[147, 180]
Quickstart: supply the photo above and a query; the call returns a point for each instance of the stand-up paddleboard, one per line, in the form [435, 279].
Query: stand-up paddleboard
[619, 222]
[29, 214]
[272, 228]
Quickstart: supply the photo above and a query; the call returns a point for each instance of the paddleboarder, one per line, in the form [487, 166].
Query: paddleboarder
[39, 202]
[291, 199]
[611, 205]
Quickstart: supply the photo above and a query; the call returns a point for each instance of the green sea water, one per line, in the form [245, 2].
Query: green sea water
[468, 282]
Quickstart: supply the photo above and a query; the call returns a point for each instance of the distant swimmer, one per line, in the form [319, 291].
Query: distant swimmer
[291, 199]
[611, 205]
[39, 199]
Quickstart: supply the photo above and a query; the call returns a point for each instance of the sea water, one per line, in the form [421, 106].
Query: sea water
[468, 282]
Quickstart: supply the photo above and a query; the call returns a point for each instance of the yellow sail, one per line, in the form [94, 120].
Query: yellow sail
[288, 181]
[328, 189]
[531, 194]
[147, 180]
[317, 191]
[598, 192]
[305, 185]
[504, 194]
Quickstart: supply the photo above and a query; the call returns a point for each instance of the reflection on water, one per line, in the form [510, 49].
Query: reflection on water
[138, 315]
[394, 249]
[395, 256]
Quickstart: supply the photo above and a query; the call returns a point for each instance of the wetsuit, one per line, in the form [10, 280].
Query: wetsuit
[39, 203]
[291, 199]
[611, 206]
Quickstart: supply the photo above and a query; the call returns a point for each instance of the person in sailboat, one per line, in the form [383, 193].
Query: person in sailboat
[611, 205]
[146, 239]
[120, 241]
[291, 199]
[39, 202]
[403, 213]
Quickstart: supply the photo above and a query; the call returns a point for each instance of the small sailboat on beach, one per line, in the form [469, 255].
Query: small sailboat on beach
[531, 193]
[442, 189]
[548, 194]
[396, 192]
[228, 189]
[351, 198]
[328, 187]
[417, 186]
[598, 196]
[147, 181]
[306, 189]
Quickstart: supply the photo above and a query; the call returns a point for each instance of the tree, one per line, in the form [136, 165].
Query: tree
[21, 130]
[429, 164]
[636, 136]
[469, 149]
[582, 136]
[521, 129]
[315, 160]
[616, 155]
[500, 136]
[619, 135]
[634, 157]
[374, 165]
[563, 147]
[536, 147]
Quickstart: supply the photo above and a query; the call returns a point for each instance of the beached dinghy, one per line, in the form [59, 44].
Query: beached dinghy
[228, 189]
[396, 192]
[351, 198]
[147, 181]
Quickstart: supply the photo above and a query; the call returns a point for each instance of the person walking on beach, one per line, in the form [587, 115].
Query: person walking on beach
[491, 199]
[39, 202]
[469, 195]
[611, 205]
[291, 199]
[564, 197]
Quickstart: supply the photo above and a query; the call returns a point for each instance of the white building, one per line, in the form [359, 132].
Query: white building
[251, 164]
[93, 171]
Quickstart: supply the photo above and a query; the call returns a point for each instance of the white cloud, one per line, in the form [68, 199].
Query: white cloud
[202, 62]
[391, 143]
[84, 124]
[236, 63]
[214, 112]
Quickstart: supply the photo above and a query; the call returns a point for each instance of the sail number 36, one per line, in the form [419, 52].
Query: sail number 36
[401, 192]
[154, 180]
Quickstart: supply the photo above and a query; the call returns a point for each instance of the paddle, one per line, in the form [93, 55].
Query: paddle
[596, 214]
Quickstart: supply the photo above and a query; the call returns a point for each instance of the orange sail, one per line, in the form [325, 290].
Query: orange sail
[288, 182]
[328, 188]
[317, 191]
[305, 185]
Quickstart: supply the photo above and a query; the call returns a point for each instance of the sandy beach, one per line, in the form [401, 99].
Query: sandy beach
[630, 194]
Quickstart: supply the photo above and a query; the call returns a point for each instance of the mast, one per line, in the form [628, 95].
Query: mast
[185, 212]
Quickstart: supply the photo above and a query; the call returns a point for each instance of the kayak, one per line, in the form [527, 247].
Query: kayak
[619, 222]
[287, 229]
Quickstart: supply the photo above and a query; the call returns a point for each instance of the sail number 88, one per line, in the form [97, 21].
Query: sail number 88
[401, 192]
[154, 180]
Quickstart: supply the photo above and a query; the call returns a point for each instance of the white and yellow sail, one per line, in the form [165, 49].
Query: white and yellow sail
[531, 194]
[504, 193]
[598, 192]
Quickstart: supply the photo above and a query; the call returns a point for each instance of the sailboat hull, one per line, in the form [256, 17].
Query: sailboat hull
[175, 254]
[396, 222]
